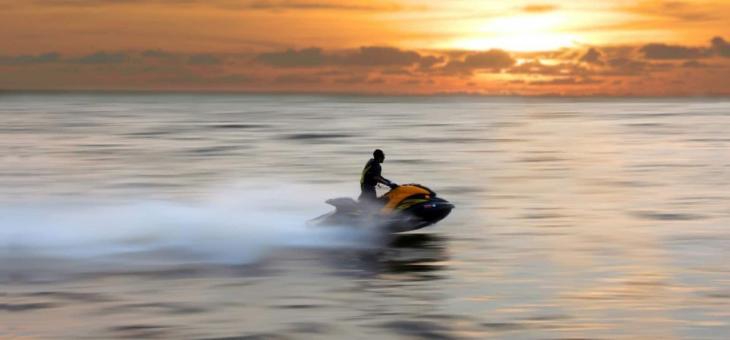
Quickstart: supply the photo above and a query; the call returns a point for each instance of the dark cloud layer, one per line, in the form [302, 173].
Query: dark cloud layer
[367, 67]
[298, 79]
[369, 56]
[158, 54]
[625, 67]
[50, 57]
[566, 81]
[592, 56]
[103, 58]
[718, 47]
[381, 56]
[664, 51]
[694, 64]
[535, 67]
[308, 57]
[204, 59]
[493, 60]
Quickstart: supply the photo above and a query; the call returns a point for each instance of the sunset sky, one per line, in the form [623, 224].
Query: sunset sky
[378, 46]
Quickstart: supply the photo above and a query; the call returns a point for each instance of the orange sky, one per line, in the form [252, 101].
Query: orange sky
[377, 46]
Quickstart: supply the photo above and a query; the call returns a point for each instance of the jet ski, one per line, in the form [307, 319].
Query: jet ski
[403, 208]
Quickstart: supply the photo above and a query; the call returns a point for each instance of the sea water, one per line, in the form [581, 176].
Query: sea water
[184, 216]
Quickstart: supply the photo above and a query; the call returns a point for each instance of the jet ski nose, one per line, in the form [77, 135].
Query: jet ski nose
[435, 210]
[439, 205]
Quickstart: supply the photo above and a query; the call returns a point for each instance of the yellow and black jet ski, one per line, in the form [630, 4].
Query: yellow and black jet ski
[403, 208]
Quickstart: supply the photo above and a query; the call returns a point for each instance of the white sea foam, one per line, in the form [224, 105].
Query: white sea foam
[232, 225]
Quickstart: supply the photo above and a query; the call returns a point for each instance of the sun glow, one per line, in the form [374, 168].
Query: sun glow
[520, 33]
[518, 43]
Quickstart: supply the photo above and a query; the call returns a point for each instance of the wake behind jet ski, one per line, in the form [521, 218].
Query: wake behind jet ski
[403, 208]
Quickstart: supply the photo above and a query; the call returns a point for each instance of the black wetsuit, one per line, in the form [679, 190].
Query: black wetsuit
[369, 179]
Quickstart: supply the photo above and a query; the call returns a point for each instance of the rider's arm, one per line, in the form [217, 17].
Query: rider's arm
[383, 180]
[380, 179]
[386, 181]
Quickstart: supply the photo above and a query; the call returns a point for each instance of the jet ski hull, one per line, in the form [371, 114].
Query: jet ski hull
[409, 213]
[429, 213]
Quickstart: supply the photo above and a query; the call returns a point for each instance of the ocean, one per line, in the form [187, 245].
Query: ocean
[184, 216]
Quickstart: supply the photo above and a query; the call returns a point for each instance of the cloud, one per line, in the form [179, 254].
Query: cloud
[625, 67]
[149, 57]
[664, 51]
[694, 64]
[49, 57]
[380, 56]
[398, 71]
[428, 62]
[298, 79]
[720, 47]
[355, 79]
[103, 58]
[192, 79]
[233, 79]
[539, 8]
[367, 68]
[204, 59]
[378, 80]
[308, 57]
[592, 63]
[566, 81]
[538, 68]
[494, 60]
[366, 56]
[158, 54]
[592, 56]
[617, 61]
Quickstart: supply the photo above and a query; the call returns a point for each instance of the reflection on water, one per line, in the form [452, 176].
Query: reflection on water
[266, 299]
[182, 216]
[405, 257]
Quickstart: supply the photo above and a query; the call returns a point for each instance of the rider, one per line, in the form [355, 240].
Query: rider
[371, 177]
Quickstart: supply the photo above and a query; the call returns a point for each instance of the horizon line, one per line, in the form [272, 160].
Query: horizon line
[350, 94]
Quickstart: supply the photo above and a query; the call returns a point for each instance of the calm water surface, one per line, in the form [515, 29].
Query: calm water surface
[182, 216]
